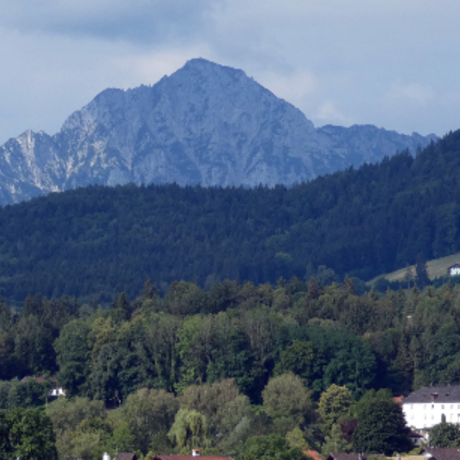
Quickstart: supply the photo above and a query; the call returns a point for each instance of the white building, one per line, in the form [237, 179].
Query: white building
[57, 392]
[425, 407]
[454, 270]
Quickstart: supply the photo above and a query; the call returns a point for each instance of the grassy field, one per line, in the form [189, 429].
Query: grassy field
[435, 268]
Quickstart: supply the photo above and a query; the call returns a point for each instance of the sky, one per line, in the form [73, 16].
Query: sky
[391, 63]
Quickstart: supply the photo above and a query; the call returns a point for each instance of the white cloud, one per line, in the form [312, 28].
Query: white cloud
[46, 79]
[291, 87]
[410, 93]
[149, 67]
[328, 113]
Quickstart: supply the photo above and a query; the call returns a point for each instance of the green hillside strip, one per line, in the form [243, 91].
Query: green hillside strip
[96, 241]
[435, 269]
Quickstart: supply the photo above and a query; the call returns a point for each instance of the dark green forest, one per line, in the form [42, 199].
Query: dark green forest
[99, 240]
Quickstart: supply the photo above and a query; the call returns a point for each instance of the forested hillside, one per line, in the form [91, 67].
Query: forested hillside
[237, 361]
[99, 240]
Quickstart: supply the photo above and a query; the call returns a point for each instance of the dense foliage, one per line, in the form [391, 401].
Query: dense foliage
[325, 335]
[214, 368]
[445, 435]
[28, 434]
[99, 240]
[270, 447]
[382, 429]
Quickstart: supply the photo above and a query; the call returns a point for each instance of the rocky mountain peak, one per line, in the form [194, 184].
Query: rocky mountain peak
[205, 123]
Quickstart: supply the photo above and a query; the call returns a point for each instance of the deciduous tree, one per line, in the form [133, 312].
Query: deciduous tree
[382, 429]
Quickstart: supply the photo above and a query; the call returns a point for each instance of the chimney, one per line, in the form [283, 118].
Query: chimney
[196, 452]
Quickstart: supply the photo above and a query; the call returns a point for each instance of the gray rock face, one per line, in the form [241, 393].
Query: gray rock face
[205, 124]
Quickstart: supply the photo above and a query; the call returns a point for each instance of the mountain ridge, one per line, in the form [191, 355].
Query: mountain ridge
[205, 124]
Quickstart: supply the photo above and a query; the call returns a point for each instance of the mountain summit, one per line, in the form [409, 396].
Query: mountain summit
[206, 124]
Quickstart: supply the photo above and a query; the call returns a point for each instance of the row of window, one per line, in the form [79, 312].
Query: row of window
[451, 417]
[432, 406]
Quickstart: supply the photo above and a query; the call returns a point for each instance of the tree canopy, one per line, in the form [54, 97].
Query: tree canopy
[382, 429]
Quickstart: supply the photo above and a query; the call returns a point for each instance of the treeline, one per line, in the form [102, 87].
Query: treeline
[299, 365]
[99, 240]
[326, 335]
[216, 418]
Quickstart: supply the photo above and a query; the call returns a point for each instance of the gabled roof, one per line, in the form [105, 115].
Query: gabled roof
[443, 453]
[411, 457]
[125, 456]
[445, 394]
[39, 379]
[189, 457]
[351, 456]
[414, 434]
[454, 266]
[313, 454]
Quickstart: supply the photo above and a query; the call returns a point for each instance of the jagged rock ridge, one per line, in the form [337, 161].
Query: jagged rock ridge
[205, 123]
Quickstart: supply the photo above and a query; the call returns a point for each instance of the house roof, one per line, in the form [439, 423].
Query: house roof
[414, 434]
[39, 379]
[446, 394]
[443, 453]
[189, 457]
[126, 456]
[411, 457]
[351, 456]
[313, 454]
[454, 266]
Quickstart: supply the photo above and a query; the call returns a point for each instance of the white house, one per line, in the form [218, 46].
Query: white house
[425, 407]
[57, 392]
[454, 270]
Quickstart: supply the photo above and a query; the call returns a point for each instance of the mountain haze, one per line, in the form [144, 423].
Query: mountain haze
[205, 124]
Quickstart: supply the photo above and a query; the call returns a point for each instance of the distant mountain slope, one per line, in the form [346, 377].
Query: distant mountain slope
[100, 240]
[435, 268]
[205, 124]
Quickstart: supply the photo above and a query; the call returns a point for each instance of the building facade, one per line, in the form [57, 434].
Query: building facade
[426, 407]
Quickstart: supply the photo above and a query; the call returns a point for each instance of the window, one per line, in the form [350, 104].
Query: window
[432, 406]
[442, 406]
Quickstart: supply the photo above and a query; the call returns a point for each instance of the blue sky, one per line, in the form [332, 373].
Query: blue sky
[390, 63]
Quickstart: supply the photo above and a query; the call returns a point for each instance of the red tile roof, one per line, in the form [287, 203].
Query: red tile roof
[313, 454]
[351, 456]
